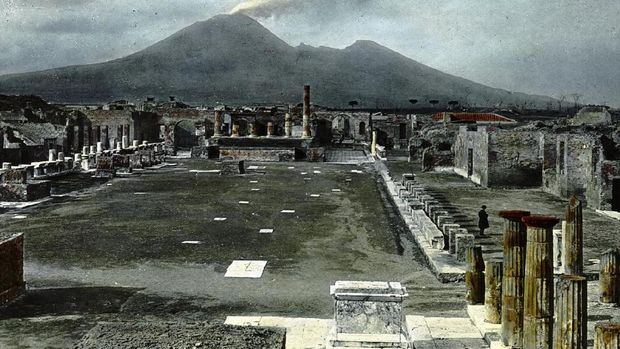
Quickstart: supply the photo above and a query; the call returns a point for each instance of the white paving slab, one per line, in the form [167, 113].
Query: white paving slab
[253, 182]
[19, 216]
[265, 231]
[315, 195]
[245, 269]
[291, 167]
[219, 219]
[255, 189]
[192, 242]
[205, 171]
[304, 173]
[287, 211]
[316, 172]
[357, 171]
[336, 190]
[244, 202]
[139, 193]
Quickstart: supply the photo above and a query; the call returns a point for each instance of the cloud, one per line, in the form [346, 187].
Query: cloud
[277, 8]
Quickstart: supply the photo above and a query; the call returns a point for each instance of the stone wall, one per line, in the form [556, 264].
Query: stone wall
[258, 154]
[515, 159]
[11, 267]
[476, 140]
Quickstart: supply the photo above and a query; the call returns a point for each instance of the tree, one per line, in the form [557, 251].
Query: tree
[575, 97]
[433, 102]
[413, 101]
[352, 104]
[560, 101]
[453, 104]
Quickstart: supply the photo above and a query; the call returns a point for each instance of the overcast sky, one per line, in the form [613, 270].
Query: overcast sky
[552, 47]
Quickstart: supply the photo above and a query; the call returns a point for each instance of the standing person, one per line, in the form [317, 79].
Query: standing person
[483, 220]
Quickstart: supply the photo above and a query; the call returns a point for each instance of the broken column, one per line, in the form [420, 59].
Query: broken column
[99, 147]
[573, 239]
[235, 130]
[306, 111]
[609, 277]
[253, 130]
[474, 275]
[125, 140]
[51, 155]
[539, 291]
[373, 145]
[607, 335]
[493, 291]
[571, 313]
[6, 165]
[92, 149]
[135, 143]
[61, 156]
[217, 127]
[515, 234]
[270, 129]
[288, 125]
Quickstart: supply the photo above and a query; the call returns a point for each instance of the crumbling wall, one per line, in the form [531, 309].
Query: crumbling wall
[601, 195]
[576, 165]
[515, 158]
[476, 143]
[11, 267]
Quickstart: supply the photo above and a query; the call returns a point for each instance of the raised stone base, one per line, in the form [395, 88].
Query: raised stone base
[19, 192]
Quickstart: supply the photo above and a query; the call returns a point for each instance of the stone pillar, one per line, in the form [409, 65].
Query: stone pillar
[609, 277]
[61, 156]
[513, 277]
[571, 313]
[235, 130]
[135, 144]
[125, 142]
[373, 146]
[145, 142]
[288, 125]
[51, 155]
[573, 239]
[493, 291]
[607, 335]
[99, 147]
[306, 111]
[253, 130]
[77, 158]
[538, 295]
[6, 166]
[474, 275]
[92, 149]
[85, 150]
[270, 129]
[217, 127]
[119, 146]
[557, 250]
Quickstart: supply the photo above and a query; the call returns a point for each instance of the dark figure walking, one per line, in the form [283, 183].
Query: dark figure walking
[483, 220]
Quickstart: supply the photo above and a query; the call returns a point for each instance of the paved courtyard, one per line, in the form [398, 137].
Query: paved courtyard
[158, 245]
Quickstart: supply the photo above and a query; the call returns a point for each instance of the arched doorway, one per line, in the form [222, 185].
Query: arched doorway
[185, 134]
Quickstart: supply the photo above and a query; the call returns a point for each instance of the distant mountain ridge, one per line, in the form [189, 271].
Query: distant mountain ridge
[232, 59]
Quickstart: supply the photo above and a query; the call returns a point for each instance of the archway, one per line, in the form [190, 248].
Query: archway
[185, 134]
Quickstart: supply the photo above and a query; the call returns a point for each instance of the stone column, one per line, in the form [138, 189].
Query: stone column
[217, 127]
[474, 275]
[61, 156]
[99, 147]
[373, 146]
[571, 313]
[51, 155]
[609, 277]
[235, 130]
[92, 149]
[607, 335]
[513, 277]
[253, 130]
[493, 291]
[125, 142]
[288, 125]
[77, 158]
[573, 239]
[135, 144]
[270, 129]
[538, 295]
[306, 111]
[85, 150]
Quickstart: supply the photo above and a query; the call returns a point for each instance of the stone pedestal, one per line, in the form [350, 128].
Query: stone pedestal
[136, 143]
[463, 241]
[6, 165]
[61, 156]
[369, 315]
[125, 140]
[51, 155]
[270, 129]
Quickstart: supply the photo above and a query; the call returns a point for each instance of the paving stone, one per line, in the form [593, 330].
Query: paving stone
[245, 269]
[287, 211]
[219, 219]
[266, 231]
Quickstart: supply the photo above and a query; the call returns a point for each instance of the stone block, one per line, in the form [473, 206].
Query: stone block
[452, 232]
[463, 241]
[443, 220]
[439, 213]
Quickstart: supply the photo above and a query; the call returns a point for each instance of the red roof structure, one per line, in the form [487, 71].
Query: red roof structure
[472, 117]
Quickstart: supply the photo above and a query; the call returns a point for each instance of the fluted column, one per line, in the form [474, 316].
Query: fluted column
[609, 277]
[607, 335]
[474, 275]
[539, 290]
[573, 239]
[571, 313]
[493, 271]
[288, 125]
[513, 277]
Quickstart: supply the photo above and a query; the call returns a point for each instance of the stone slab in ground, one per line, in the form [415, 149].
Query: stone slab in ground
[301, 333]
[246, 269]
[122, 335]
